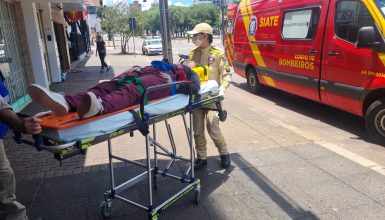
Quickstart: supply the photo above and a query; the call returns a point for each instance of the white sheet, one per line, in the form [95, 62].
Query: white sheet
[114, 122]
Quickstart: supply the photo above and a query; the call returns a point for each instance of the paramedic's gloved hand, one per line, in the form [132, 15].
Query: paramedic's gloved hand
[31, 125]
[221, 91]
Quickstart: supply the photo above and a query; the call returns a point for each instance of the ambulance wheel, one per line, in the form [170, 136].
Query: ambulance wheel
[197, 196]
[252, 81]
[106, 209]
[375, 121]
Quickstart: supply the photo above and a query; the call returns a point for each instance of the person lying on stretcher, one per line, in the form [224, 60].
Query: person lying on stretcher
[121, 92]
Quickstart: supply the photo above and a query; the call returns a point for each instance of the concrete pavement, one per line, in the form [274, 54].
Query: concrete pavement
[276, 173]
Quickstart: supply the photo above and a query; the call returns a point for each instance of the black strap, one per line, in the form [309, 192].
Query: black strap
[142, 125]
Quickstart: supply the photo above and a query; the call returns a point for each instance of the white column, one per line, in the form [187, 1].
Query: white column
[50, 39]
[35, 44]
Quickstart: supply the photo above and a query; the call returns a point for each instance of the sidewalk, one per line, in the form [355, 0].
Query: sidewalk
[295, 180]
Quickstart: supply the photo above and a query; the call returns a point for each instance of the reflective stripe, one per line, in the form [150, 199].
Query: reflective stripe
[245, 7]
[269, 81]
[229, 49]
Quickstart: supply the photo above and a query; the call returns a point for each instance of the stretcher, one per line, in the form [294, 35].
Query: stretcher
[67, 136]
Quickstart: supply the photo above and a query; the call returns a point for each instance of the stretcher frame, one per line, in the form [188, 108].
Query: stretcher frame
[151, 172]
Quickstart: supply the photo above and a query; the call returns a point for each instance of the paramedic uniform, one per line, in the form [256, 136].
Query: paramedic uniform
[218, 71]
[116, 96]
[9, 207]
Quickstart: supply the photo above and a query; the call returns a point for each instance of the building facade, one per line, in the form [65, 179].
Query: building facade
[38, 42]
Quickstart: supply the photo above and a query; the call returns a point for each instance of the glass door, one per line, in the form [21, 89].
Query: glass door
[11, 63]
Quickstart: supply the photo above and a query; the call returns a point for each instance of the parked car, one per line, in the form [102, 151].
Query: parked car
[152, 46]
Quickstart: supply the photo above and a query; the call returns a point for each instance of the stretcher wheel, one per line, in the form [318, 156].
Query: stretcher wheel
[223, 115]
[197, 196]
[107, 209]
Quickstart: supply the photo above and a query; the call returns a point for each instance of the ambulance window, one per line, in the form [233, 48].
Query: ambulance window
[230, 26]
[300, 24]
[381, 5]
[350, 16]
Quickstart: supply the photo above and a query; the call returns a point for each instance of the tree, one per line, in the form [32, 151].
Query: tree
[151, 19]
[116, 20]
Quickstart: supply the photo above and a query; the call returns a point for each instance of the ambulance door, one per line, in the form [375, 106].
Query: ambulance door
[345, 67]
[299, 50]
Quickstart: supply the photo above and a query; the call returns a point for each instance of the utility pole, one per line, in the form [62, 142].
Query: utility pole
[165, 31]
[223, 21]
[222, 5]
[132, 24]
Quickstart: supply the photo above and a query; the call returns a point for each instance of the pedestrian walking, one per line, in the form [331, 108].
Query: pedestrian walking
[101, 50]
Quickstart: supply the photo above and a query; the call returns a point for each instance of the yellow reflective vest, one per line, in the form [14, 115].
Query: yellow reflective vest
[214, 59]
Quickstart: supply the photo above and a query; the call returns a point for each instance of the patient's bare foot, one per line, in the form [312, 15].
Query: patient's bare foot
[51, 100]
[89, 106]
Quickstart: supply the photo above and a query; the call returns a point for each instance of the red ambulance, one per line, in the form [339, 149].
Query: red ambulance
[330, 51]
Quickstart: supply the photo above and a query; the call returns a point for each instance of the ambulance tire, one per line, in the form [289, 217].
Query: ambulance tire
[375, 121]
[252, 81]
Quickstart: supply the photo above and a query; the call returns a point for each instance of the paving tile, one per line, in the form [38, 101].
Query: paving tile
[59, 210]
[242, 206]
[335, 195]
[309, 151]
[297, 173]
[372, 211]
[276, 155]
[370, 184]
[339, 166]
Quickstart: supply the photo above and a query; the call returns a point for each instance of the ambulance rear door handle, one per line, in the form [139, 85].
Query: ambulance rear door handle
[313, 51]
[333, 53]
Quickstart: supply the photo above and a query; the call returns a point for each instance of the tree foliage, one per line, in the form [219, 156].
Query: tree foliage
[115, 20]
[182, 19]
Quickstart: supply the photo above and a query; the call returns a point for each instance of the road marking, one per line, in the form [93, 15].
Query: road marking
[336, 149]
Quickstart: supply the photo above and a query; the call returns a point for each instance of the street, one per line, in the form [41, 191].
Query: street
[291, 159]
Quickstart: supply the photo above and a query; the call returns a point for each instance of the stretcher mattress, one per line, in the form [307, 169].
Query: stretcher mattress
[105, 125]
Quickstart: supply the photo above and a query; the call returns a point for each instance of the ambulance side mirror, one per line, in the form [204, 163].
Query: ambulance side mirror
[367, 38]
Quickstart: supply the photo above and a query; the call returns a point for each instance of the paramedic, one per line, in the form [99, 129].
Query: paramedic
[205, 54]
[121, 92]
[9, 207]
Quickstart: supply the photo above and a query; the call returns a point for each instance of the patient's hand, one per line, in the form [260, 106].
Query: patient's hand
[165, 76]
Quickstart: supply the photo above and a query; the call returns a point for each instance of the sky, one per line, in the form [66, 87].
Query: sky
[146, 5]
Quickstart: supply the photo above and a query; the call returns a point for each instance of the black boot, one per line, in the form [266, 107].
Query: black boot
[225, 161]
[199, 164]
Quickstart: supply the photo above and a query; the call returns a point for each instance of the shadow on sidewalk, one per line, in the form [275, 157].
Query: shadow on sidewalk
[78, 196]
